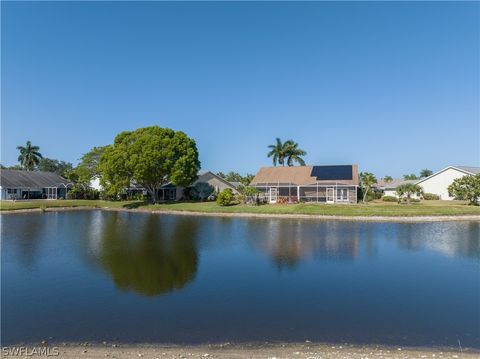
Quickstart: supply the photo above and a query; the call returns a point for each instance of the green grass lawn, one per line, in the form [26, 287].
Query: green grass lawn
[425, 208]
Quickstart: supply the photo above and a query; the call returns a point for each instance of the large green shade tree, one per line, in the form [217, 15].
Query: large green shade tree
[149, 157]
[466, 188]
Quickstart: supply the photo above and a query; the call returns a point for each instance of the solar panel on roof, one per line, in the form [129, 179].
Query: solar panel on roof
[332, 173]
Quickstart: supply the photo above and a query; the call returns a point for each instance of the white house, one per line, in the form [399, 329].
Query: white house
[390, 188]
[95, 184]
[438, 182]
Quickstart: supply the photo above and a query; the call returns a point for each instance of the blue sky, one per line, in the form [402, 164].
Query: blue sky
[393, 87]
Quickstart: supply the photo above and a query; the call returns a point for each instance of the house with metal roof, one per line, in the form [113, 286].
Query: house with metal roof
[439, 182]
[322, 184]
[16, 185]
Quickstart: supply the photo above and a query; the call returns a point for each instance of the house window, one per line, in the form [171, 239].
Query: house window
[342, 194]
[11, 190]
[170, 194]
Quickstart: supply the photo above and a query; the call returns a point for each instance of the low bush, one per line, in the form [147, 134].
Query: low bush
[81, 192]
[431, 196]
[225, 198]
[406, 200]
[282, 200]
[389, 199]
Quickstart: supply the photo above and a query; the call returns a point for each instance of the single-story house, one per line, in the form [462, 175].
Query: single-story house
[438, 182]
[170, 192]
[390, 188]
[324, 184]
[15, 185]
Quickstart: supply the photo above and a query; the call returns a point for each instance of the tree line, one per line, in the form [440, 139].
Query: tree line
[151, 157]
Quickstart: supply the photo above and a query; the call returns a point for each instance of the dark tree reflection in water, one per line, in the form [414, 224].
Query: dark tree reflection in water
[149, 259]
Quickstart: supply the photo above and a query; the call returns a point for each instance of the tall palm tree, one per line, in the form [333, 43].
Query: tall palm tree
[293, 153]
[29, 156]
[367, 180]
[277, 152]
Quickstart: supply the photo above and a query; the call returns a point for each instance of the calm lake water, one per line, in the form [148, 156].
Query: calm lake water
[137, 277]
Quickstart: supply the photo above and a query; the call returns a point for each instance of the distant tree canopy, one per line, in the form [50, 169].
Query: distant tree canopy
[15, 167]
[411, 176]
[29, 156]
[150, 157]
[387, 179]
[236, 177]
[287, 151]
[51, 165]
[425, 173]
[466, 188]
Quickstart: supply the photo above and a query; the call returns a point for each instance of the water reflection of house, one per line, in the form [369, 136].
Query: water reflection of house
[451, 239]
[290, 242]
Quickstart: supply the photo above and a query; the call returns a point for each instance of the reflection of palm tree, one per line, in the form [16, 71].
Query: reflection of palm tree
[150, 262]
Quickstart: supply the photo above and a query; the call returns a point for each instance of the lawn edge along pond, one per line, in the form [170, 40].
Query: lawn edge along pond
[424, 211]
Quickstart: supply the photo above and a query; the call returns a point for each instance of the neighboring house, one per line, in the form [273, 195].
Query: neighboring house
[438, 182]
[170, 192]
[390, 188]
[324, 184]
[15, 184]
[95, 184]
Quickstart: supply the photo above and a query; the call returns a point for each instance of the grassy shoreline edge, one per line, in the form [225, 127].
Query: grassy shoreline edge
[372, 212]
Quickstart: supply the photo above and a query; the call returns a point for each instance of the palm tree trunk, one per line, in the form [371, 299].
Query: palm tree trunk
[365, 195]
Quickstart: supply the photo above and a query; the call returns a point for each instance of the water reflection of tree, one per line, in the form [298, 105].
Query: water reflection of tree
[151, 257]
[290, 242]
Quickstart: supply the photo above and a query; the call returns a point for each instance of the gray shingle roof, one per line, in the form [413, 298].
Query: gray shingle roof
[474, 170]
[30, 179]
[394, 183]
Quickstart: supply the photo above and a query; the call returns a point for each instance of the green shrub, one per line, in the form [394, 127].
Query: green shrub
[225, 198]
[389, 198]
[406, 200]
[431, 196]
[82, 192]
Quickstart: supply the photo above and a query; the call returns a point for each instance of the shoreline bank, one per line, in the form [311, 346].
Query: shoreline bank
[355, 218]
[264, 351]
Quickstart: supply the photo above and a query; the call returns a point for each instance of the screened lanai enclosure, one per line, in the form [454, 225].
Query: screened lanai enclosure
[319, 184]
[27, 185]
[290, 193]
